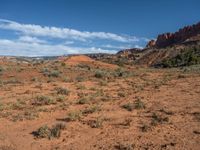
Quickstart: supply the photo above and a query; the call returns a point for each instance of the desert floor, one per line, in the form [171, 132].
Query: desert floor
[82, 104]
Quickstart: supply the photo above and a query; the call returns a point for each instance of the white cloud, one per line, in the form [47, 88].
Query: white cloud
[36, 40]
[20, 48]
[63, 33]
[30, 39]
[68, 42]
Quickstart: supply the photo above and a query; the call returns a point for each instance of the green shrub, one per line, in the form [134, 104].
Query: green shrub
[97, 123]
[103, 83]
[73, 116]
[82, 101]
[43, 100]
[121, 62]
[62, 91]
[56, 130]
[34, 79]
[79, 79]
[49, 73]
[46, 132]
[80, 87]
[66, 79]
[18, 105]
[84, 66]
[119, 72]
[54, 73]
[63, 64]
[43, 132]
[45, 71]
[30, 115]
[121, 94]
[188, 56]
[1, 83]
[91, 109]
[99, 74]
[60, 98]
[13, 81]
[139, 104]
[128, 106]
[144, 128]
[156, 119]
[124, 146]
[1, 69]
[2, 107]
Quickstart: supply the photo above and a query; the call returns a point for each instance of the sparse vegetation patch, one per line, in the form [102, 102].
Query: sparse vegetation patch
[46, 132]
[43, 100]
[62, 91]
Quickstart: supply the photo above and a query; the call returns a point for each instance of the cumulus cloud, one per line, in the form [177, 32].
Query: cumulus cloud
[63, 33]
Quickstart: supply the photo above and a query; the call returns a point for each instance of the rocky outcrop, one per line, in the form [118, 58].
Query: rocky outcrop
[129, 54]
[178, 37]
[129, 51]
[151, 43]
[100, 56]
[165, 40]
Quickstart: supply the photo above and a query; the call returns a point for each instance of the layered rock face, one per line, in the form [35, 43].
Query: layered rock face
[169, 39]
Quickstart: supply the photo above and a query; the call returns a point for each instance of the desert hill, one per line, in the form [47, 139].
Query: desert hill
[84, 60]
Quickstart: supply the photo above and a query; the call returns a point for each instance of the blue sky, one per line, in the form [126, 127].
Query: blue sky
[57, 27]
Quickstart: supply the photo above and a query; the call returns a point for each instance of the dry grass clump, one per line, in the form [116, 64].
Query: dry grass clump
[46, 132]
[43, 100]
[62, 91]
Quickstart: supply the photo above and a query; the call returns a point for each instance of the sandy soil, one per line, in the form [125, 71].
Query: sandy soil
[102, 106]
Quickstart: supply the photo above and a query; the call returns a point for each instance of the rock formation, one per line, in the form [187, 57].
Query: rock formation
[168, 39]
[151, 43]
[129, 51]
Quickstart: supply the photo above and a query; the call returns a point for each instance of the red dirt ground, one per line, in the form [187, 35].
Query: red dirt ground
[143, 108]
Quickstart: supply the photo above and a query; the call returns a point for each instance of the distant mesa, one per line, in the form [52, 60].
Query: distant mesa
[169, 39]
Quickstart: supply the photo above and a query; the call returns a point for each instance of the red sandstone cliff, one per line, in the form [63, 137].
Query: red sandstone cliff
[168, 39]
